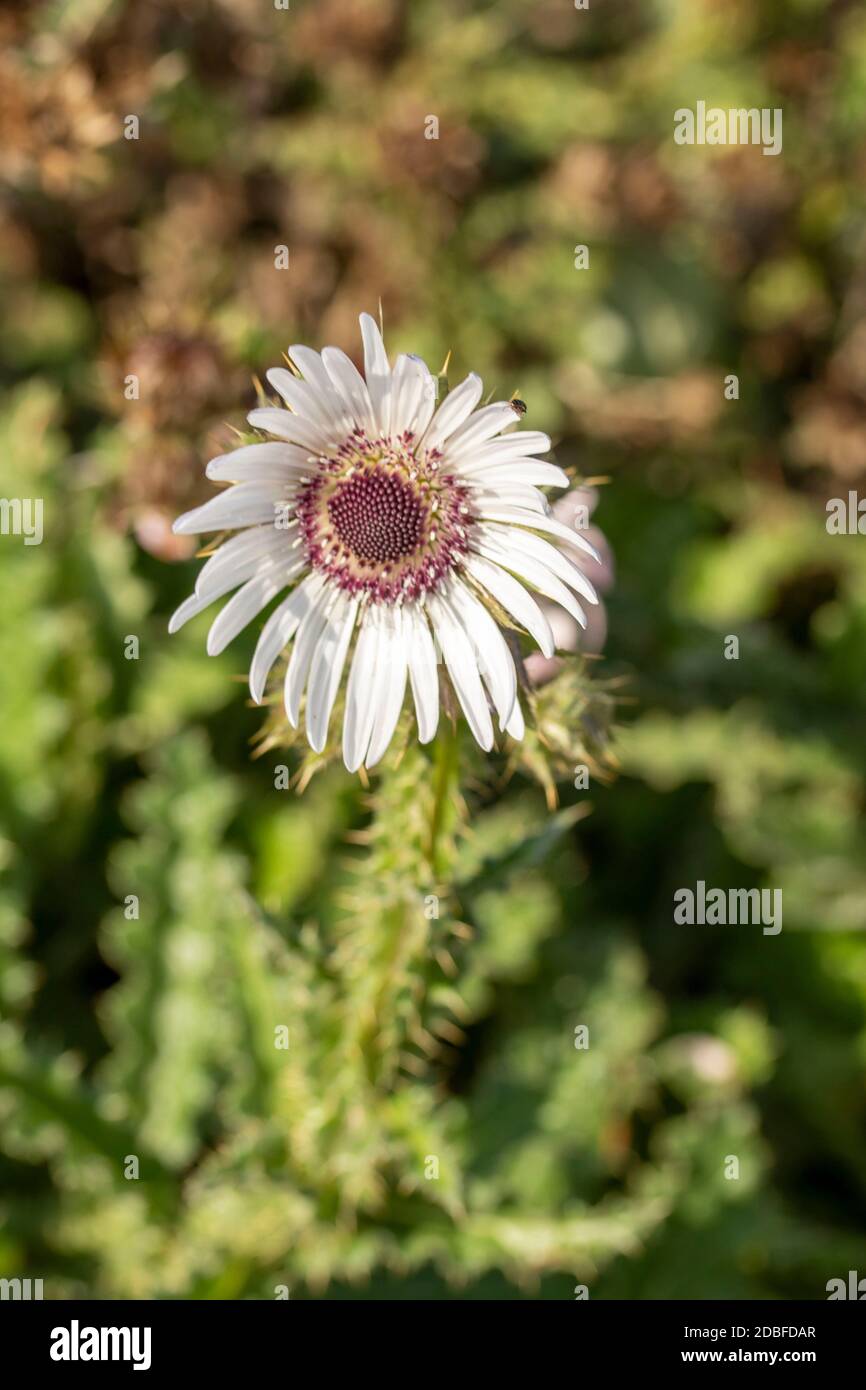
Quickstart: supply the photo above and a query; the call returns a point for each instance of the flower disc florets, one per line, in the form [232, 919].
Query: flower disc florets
[384, 521]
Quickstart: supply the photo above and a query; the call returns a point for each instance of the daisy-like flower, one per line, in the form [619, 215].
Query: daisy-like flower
[402, 531]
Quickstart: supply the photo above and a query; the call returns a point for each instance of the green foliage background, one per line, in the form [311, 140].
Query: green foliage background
[452, 1037]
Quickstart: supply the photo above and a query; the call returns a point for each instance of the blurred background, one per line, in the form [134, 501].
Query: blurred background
[163, 908]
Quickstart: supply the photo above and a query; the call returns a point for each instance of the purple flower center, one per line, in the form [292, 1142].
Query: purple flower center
[383, 521]
[378, 517]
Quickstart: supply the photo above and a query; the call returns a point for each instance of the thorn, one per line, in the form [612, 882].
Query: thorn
[424, 1039]
[457, 1005]
[304, 778]
[446, 962]
[444, 1028]
[462, 930]
[412, 1064]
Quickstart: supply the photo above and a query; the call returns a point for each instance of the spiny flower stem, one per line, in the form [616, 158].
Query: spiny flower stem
[398, 926]
[445, 801]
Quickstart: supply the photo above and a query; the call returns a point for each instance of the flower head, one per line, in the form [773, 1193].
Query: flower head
[402, 531]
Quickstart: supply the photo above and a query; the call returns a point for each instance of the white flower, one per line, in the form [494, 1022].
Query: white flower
[392, 523]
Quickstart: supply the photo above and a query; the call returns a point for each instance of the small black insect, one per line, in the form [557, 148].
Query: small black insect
[519, 406]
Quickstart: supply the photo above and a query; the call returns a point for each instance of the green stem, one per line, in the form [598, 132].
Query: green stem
[445, 782]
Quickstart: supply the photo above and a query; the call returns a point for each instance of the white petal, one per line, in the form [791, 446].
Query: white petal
[306, 641]
[351, 388]
[514, 599]
[517, 517]
[242, 608]
[463, 670]
[528, 544]
[428, 397]
[245, 504]
[495, 661]
[262, 462]
[279, 630]
[570, 535]
[455, 408]
[286, 424]
[360, 692]
[326, 670]
[536, 574]
[313, 369]
[478, 428]
[274, 568]
[255, 540]
[321, 412]
[190, 608]
[413, 396]
[515, 727]
[391, 685]
[518, 470]
[284, 565]
[490, 497]
[423, 675]
[239, 556]
[515, 444]
[377, 371]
